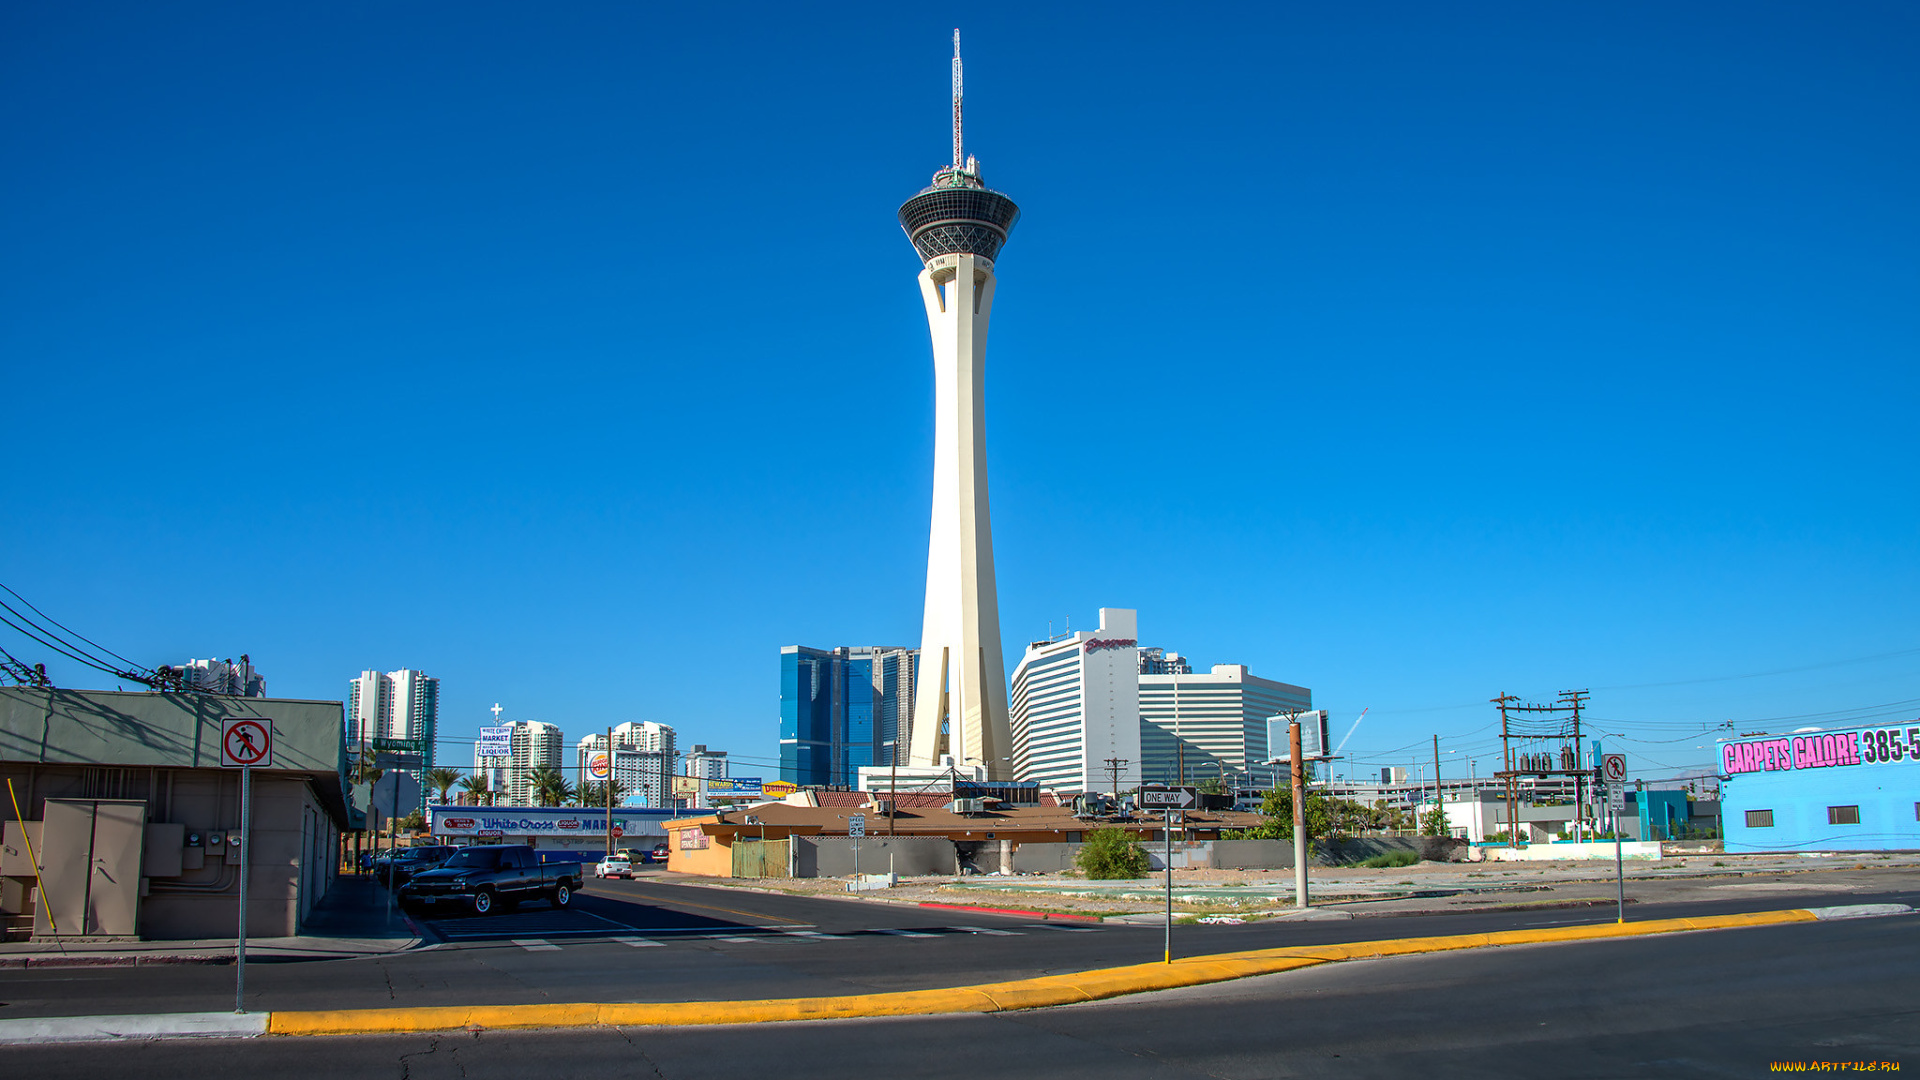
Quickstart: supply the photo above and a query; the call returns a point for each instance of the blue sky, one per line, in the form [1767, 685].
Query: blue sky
[572, 354]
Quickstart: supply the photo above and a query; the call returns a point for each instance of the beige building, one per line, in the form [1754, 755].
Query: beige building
[134, 825]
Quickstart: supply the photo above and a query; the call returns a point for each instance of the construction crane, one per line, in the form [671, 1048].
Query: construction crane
[1350, 731]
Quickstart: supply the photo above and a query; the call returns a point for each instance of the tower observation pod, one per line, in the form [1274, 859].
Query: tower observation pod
[958, 227]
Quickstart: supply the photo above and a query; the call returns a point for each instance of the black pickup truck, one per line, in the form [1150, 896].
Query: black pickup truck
[482, 879]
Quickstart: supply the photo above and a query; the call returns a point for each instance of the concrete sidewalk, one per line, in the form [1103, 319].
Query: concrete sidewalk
[351, 921]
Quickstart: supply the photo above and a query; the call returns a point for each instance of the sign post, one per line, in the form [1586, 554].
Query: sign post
[856, 831]
[244, 743]
[1168, 799]
[1614, 768]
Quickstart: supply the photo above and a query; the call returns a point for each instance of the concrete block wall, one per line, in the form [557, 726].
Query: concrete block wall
[832, 856]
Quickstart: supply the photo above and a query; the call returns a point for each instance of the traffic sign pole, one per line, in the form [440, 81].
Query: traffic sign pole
[244, 743]
[1169, 868]
[240, 942]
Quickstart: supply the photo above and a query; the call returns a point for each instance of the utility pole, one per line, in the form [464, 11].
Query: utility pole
[1577, 698]
[1299, 815]
[1114, 766]
[1439, 796]
[1506, 752]
[610, 790]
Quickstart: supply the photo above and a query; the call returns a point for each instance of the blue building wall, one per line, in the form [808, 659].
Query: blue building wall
[840, 709]
[1807, 783]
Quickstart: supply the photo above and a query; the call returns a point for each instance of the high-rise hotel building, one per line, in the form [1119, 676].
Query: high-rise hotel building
[534, 744]
[1212, 725]
[1095, 712]
[1076, 708]
[395, 713]
[643, 760]
[842, 708]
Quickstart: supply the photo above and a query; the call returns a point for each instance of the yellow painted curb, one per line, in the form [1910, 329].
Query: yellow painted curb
[990, 997]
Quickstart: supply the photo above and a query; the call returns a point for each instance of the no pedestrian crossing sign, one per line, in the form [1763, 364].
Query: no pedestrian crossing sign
[1613, 767]
[246, 742]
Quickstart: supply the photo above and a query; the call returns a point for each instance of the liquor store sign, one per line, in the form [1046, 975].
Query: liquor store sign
[1789, 753]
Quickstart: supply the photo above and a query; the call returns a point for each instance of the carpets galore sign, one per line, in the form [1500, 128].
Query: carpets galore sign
[1823, 751]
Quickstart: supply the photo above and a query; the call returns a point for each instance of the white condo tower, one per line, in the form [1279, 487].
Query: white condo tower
[960, 702]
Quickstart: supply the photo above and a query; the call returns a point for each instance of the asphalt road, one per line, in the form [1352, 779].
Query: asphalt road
[649, 940]
[1725, 1003]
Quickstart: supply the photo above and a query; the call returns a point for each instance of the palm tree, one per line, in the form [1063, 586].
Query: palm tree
[363, 770]
[549, 787]
[476, 786]
[442, 781]
[593, 793]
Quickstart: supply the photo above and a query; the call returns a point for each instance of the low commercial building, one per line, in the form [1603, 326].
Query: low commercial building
[559, 833]
[1855, 789]
[134, 827]
[981, 837]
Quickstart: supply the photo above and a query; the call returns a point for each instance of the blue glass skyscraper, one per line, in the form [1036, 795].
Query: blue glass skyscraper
[842, 708]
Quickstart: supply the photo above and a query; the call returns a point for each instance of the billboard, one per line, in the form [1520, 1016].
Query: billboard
[598, 766]
[778, 789]
[1313, 736]
[686, 787]
[735, 787]
[494, 742]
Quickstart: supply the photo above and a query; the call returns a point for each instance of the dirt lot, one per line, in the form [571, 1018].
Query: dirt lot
[1424, 887]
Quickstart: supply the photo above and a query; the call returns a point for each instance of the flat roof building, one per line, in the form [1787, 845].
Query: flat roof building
[1856, 789]
[1076, 709]
[136, 826]
[1196, 727]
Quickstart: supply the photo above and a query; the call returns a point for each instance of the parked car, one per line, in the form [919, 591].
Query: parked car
[407, 862]
[484, 878]
[659, 853]
[615, 867]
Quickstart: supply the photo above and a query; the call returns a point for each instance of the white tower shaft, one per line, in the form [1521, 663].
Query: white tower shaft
[961, 678]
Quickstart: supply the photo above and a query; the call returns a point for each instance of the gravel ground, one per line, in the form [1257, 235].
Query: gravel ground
[1424, 887]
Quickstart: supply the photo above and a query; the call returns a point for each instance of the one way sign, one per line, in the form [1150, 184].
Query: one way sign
[1168, 798]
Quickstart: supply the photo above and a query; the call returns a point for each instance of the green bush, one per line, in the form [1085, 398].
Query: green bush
[1391, 858]
[1111, 854]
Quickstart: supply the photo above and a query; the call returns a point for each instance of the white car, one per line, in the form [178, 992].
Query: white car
[614, 868]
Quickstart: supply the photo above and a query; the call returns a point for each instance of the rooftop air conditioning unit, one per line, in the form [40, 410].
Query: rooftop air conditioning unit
[968, 806]
[882, 806]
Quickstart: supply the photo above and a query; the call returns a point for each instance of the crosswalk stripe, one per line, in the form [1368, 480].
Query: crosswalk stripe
[534, 944]
[985, 930]
[906, 933]
[737, 940]
[639, 942]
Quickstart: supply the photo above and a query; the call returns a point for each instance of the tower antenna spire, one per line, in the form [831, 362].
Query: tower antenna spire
[959, 158]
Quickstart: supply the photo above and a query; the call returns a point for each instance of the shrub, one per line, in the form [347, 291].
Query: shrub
[1111, 854]
[1391, 858]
